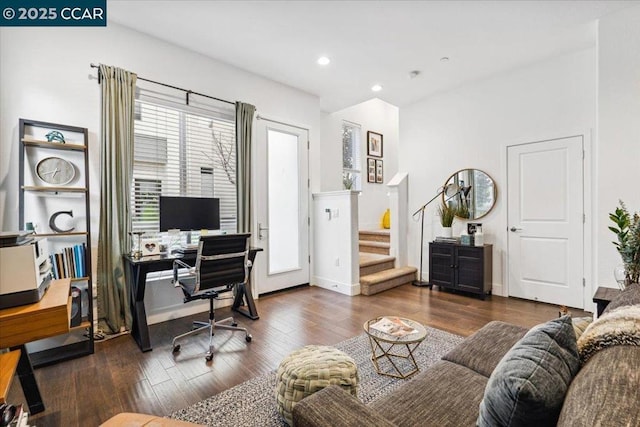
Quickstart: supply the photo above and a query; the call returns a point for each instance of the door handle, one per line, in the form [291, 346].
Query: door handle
[260, 230]
[514, 229]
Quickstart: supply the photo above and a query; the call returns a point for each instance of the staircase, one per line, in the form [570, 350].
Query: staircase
[377, 272]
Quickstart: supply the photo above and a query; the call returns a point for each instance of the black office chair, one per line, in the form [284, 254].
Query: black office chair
[222, 263]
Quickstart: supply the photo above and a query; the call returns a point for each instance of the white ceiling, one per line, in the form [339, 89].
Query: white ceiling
[370, 41]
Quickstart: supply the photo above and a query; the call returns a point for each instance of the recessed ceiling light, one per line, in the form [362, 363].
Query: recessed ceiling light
[323, 60]
[376, 88]
[444, 59]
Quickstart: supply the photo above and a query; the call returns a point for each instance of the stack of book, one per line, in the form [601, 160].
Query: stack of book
[70, 262]
[441, 239]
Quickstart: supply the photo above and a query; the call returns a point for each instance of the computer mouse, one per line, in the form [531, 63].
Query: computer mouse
[8, 413]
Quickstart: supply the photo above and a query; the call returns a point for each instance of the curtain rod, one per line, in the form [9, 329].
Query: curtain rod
[187, 91]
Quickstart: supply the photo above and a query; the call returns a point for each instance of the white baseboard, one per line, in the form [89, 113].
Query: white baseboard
[332, 285]
[498, 289]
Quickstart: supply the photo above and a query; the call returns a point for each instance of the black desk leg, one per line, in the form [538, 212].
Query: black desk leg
[139, 327]
[244, 291]
[28, 382]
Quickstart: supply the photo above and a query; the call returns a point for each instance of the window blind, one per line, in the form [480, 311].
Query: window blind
[182, 150]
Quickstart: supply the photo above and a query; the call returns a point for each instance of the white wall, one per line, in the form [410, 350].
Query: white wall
[373, 115]
[618, 149]
[45, 75]
[335, 242]
[470, 128]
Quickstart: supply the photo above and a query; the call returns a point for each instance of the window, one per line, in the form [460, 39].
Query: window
[182, 151]
[146, 213]
[351, 176]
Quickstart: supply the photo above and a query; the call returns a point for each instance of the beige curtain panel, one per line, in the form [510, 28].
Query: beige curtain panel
[244, 136]
[116, 163]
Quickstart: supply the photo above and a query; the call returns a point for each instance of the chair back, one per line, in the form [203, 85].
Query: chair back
[223, 260]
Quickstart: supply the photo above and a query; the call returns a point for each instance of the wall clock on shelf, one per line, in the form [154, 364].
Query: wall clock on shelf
[56, 171]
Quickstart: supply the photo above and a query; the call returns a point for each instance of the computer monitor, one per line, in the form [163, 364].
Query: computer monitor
[189, 213]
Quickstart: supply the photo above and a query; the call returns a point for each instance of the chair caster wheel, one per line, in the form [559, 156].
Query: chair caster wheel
[248, 338]
[209, 357]
[234, 324]
[176, 349]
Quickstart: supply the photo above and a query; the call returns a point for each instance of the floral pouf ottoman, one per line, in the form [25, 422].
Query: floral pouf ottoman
[310, 369]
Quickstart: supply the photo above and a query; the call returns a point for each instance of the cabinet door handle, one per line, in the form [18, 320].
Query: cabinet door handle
[514, 229]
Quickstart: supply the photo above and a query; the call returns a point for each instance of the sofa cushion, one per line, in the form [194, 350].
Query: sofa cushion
[334, 407]
[483, 350]
[446, 394]
[528, 386]
[606, 391]
[629, 296]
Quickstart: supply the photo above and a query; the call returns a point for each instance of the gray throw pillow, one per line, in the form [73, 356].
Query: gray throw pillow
[528, 386]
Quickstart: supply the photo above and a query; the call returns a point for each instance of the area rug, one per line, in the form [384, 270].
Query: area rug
[252, 403]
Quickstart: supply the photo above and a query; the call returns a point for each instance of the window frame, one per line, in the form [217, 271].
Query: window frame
[356, 145]
[184, 138]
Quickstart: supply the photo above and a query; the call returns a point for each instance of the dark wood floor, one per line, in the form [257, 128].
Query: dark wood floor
[118, 377]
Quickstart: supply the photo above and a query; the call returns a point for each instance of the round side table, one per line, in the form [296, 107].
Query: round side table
[392, 354]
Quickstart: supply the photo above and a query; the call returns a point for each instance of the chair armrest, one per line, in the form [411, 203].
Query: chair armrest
[334, 407]
[176, 265]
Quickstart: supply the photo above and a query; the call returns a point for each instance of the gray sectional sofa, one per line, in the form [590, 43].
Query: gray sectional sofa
[605, 391]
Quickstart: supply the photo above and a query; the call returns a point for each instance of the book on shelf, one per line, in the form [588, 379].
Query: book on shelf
[70, 262]
[393, 326]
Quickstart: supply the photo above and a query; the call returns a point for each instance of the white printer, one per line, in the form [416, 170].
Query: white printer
[25, 268]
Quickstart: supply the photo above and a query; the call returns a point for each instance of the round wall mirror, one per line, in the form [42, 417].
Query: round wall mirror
[477, 195]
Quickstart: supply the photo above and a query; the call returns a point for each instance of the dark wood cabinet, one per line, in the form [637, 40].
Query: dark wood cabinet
[461, 268]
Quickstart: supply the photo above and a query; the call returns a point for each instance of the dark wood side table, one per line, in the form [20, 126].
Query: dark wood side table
[603, 297]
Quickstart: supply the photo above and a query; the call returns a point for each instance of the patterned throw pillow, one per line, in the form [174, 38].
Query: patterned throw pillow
[620, 326]
[580, 324]
[528, 386]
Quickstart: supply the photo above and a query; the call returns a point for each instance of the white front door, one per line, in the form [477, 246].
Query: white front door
[281, 220]
[545, 221]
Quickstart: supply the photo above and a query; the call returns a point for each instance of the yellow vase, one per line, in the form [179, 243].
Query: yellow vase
[386, 219]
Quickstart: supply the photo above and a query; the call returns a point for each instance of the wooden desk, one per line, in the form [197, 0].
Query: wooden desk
[19, 325]
[8, 365]
[137, 281]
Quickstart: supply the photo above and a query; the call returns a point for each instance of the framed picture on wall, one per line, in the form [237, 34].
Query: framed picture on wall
[371, 170]
[374, 144]
[379, 172]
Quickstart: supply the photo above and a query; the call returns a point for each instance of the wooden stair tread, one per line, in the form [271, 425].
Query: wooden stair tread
[374, 244]
[384, 275]
[367, 259]
[382, 232]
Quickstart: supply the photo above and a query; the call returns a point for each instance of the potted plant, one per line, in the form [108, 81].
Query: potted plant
[447, 215]
[627, 230]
